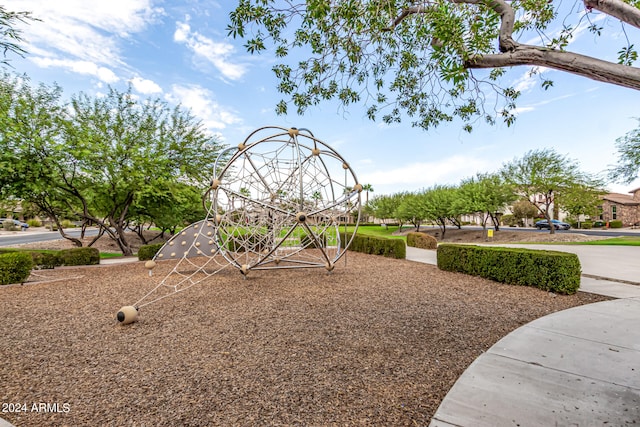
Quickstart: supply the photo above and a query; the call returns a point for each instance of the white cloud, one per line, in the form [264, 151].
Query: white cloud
[205, 49]
[201, 103]
[534, 107]
[418, 175]
[529, 79]
[80, 30]
[145, 86]
[81, 67]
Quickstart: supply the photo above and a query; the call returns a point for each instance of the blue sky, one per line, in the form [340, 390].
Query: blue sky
[178, 51]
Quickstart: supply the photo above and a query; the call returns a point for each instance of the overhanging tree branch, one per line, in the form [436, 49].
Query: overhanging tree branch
[415, 57]
[506, 43]
[514, 54]
[586, 66]
[616, 8]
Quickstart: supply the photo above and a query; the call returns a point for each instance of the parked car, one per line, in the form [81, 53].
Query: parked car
[22, 225]
[559, 225]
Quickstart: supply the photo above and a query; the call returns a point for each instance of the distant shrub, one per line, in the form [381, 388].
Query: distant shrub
[65, 223]
[598, 223]
[586, 225]
[615, 224]
[509, 220]
[15, 267]
[79, 256]
[147, 252]
[34, 223]
[421, 240]
[548, 270]
[9, 226]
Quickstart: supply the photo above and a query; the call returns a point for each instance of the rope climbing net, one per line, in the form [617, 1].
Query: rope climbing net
[280, 199]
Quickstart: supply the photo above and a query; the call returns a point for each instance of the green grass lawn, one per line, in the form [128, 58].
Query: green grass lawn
[614, 241]
[378, 231]
[110, 255]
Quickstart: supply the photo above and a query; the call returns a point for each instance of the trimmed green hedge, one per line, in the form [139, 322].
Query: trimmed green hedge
[616, 223]
[390, 248]
[548, 270]
[45, 259]
[421, 240]
[42, 258]
[147, 252]
[15, 267]
[79, 256]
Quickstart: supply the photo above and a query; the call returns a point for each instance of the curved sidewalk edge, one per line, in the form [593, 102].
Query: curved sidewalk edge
[577, 367]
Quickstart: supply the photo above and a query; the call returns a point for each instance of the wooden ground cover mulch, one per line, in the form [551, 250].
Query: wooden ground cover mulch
[378, 342]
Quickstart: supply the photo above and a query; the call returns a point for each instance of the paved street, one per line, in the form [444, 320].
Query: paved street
[12, 238]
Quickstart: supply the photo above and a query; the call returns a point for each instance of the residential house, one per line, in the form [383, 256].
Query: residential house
[622, 207]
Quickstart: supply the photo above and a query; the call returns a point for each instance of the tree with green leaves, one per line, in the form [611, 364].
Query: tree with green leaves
[423, 58]
[540, 176]
[523, 210]
[383, 207]
[411, 210]
[11, 38]
[170, 205]
[368, 188]
[628, 167]
[580, 200]
[94, 158]
[439, 205]
[32, 155]
[486, 195]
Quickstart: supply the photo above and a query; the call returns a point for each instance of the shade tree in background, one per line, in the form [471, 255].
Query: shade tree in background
[523, 210]
[384, 207]
[428, 60]
[168, 207]
[440, 206]
[94, 158]
[542, 176]
[580, 200]
[627, 168]
[411, 209]
[486, 195]
[32, 158]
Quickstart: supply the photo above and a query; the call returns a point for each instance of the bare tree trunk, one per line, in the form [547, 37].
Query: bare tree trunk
[76, 242]
[97, 237]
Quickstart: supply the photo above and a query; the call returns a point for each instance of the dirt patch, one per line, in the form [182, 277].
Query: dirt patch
[504, 235]
[377, 342]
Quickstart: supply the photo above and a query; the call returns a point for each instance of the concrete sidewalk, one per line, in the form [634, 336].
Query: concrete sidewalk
[577, 367]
